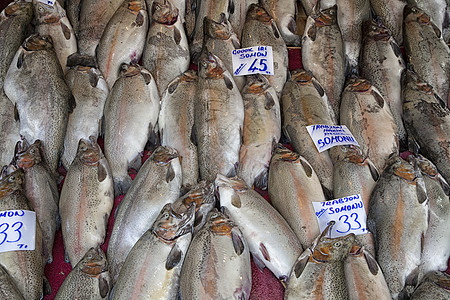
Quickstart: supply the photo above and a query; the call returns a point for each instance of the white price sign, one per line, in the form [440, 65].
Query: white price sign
[347, 212]
[327, 136]
[17, 230]
[48, 2]
[253, 60]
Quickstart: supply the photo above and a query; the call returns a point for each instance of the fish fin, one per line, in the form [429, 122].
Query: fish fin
[238, 244]
[307, 167]
[153, 139]
[292, 26]
[101, 172]
[371, 263]
[421, 191]
[193, 136]
[396, 48]
[136, 163]
[198, 218]
[174, 257]
[259, 263]
[72, 103]
[236, 43]
[373, 171]
[378, 98]
[300, 265]
[261, 181]
[412, 278]
[139, 19]
[413, 146]
[93, 79]
[66, 31]
[170, 175]
[327, 193]
[436, 30]
[20, 60]
[231, 7]
[103, 286]
[177, 36]
[75, 59]
[121, 185]
[236, 200]
[264, 252]
[147, 77]
[445, 186]
[47, 288]
[228, 82]
[173, 86]
[16, 113]
[275, 29]
[312, 31]
[231, 172]
[318, 87]
[270, 102]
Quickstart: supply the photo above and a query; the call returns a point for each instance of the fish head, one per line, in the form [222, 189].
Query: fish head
[326, 249]
[376, 30]
[18, 8]
[28, 155]
[9, 183]
[170, 225]
[358, 85]
[89, 151]
[441, 279]
[94, 262]
[326, 17]
[256, 84]
[282, 153]
[229, 188]
[210, 66]
[258, 13]
[425, 165]
[415, 14]
[221, 30]
[219, 223]
[302, 76]
[48, 14]
[200, 195]
[37, 42]
[164, 155]
[164, 12]
[189, 76]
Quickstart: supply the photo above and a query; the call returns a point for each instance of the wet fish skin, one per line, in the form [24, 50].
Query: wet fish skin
[9, 129]
[261, 130]
[305, 103]
[217, 263]
[89, 279]
[391, 13]
[271, 240]
[293, 186]
[176, 123]
[41, 190]
[436, 9]
[158, 182]
[261, 29]
[130, 115]
[398, 219]
[435, 285]
[8, 289]
[73, 8]
[219, 117]
[123, 39]
[87, 198]
[153, 266]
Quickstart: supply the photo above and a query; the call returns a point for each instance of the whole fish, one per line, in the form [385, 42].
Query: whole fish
[35, 74]
[368, 117]
[87, 198]
[217, 263]
[152, 269]
[260, 29]
[272, 242]
[391, 13]
[158, 182]
[350, 16]
[202, 195]
[427, 120]
[219, 117]
[323, 54]
[94, 16]
[436, 9]
[176, 123]
[427, 52]
[9, 129]
[25, 267]
[364, 277]
[8, 289]
[130, 114]
[90, 91]
[435, 285]
[318, 272]
[262, 130]
[89, 279]
[293, 186]
[221, 40]
[382, 64]
[52, 21]
[305, 103]
[123, 39]
[398, 219]
[166, 53]
[41, 190]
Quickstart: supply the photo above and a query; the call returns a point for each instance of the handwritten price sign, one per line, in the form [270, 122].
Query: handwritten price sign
[253, 60]
[17, 230]
[347, 212]
[327, 136]
[48, 2]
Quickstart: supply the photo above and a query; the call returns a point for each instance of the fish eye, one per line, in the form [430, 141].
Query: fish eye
[12, 178]
[166, 215]
[41, 9]
[337, 244]
[32, 151]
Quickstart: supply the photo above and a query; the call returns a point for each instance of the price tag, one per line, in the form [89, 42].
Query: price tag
[253, 60]
[347, 212]
[327, 136]
[48, 2]
[17, 230]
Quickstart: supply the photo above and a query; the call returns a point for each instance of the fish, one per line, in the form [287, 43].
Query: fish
[368, 117]
[52, 21]
[219, 118]
[90, 91]
[158, 182]
[381, 62]
[73, 8]
[293, 186]
[217, 263]
[427, 53]
[123, 39]
[391, 13]
[270, 239]
[89, 279]
[398, 219]
[26, 268]
[9, 129]
[435, 285]
[318, 273]
[166, 53]
[176, 123]
[311, 5]
[35, 73]
[130, 115]
[283, 12]
[304, 102]
[41, 190]
[261, 130]
[8, 289]
[435, 9]
[323, 54]
[261, 29]
[153, 266]
[87, 198]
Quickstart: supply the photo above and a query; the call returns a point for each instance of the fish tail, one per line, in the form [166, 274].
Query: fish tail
[121, 185]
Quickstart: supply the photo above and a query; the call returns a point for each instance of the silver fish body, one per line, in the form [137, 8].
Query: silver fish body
[270, 238]
[435, 285]
[391, 13]
[9, 129]
[73, 8]
[158, 182]
[436, 9]
[8, 289]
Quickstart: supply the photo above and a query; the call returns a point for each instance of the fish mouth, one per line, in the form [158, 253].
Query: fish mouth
[25, 161]
[164, 13]
[189, 76]
[257, 85]
[218, 30]
[235, 183]
[173, 225]
[10, 183]
[37, 42]
[359, 85]
[326, 17]
[302, 76]
[164, 155]
[203, 194]
[257, 12]
[135, 6]
[219, 223]
[15, 9]
[354, 154]
[96, 264]
[285, 154]
[51, 19]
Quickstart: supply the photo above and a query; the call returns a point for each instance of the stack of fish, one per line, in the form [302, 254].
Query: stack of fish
[95, 84]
